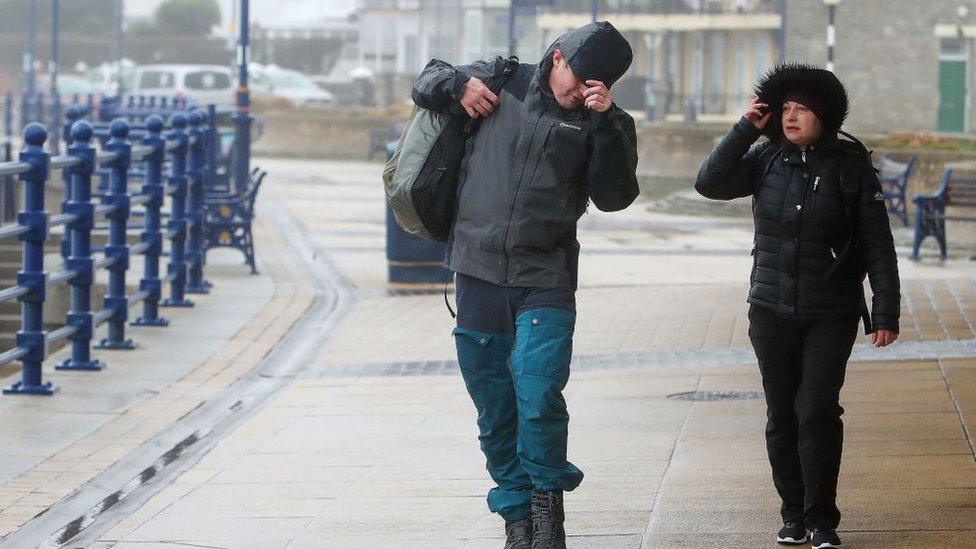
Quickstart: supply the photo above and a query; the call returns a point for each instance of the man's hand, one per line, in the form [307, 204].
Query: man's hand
[477, 99]
[883, 338]
[758, 113]
[597, 96]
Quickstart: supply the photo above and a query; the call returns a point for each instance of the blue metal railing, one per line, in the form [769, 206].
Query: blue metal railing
[182, 154]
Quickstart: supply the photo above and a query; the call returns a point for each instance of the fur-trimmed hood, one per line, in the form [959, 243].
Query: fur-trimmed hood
[786, 78]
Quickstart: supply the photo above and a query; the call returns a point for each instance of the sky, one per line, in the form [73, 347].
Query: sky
[276, 12]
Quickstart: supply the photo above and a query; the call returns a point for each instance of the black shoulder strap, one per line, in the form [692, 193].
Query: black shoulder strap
[771, 154]
[850, 174]
[497, 81]
[495, 84]
[774, 153]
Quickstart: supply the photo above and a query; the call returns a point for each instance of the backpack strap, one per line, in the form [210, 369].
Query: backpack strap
[767, 158]
[850, 171]
[504, 69]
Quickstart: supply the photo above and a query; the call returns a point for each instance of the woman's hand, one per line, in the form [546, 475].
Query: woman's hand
[883, 338]
[755, 113]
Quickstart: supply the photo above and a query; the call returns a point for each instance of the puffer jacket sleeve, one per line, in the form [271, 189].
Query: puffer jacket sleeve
[878, 252]
[611, 176]
[441, 85]
[732, 169]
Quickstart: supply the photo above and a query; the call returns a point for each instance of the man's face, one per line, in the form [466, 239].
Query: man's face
[567, 89]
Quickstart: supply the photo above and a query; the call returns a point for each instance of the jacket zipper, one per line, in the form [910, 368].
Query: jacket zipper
[518, 184]
[799, 226]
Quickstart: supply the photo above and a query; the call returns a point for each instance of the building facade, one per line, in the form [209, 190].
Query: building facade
[907, 64]
[402, 35]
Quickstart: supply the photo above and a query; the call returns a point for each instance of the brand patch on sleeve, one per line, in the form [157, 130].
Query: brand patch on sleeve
[879, 196]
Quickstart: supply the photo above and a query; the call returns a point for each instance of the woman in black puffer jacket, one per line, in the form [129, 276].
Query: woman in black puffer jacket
[821, 225]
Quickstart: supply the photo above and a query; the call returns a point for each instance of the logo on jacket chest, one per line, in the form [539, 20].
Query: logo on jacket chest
[570, 126]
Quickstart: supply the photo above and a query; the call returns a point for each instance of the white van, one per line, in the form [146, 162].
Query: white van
[204, 84]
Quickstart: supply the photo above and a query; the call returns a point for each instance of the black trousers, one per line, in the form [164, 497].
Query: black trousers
[803, 363]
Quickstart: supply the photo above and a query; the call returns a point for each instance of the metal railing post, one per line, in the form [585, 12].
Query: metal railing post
[32, 336]
[152, 233]
[79, 257]
[72, 115]
[177, 222]
[117, 249]
[195, 175]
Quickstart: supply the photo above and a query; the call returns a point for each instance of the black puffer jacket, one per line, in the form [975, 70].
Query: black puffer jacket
[809, 256]
[532, 167]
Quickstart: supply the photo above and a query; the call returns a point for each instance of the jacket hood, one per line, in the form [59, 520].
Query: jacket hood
[789, 78]
[596, 51]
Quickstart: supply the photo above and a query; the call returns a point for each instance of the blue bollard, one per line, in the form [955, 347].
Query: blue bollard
[177, 221]
[32, 336]
[80, 259]
[151, 283]
[117, 249]
[72, 115]
[196, 161]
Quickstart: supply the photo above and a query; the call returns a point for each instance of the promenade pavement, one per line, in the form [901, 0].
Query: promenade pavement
[371, 442]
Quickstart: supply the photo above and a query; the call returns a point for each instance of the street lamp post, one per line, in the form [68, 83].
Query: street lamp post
[831, 31]
[31, 47]
[242, 119]
[53, 76]
[119, 41]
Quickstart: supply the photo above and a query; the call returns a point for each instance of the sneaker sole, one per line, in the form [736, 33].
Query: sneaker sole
[792, 541]
[827, 546]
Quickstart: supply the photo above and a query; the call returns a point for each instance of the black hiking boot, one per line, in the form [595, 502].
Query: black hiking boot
[518, 534]
[547, 520]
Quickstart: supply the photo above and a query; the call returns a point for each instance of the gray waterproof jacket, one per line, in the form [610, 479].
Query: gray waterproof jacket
[528, 174]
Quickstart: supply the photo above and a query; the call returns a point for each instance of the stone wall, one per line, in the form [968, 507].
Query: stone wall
[887, 55]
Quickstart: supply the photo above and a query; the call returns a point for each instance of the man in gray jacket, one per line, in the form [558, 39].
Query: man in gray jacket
[549, 143]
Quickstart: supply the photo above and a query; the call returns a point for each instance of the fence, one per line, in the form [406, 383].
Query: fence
[184, 152]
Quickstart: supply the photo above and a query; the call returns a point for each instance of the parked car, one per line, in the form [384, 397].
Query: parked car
[296, 87]
[69, 85]
[203, 84]
[109, 79]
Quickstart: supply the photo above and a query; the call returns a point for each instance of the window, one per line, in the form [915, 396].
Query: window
[761, 54]
[472, 34]
[206, 80]
[156, 80]
[952, 47]
[715, 78]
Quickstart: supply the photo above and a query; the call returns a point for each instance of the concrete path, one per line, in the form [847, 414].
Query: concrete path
[371, 442]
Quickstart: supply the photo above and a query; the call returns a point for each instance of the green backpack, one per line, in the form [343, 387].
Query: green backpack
[421, 176]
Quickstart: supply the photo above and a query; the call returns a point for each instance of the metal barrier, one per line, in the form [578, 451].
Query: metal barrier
[184, 150]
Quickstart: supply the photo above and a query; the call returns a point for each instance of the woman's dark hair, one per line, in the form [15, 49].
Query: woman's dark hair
[821, 85]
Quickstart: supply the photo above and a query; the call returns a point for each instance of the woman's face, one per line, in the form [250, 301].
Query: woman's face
[800, 126]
